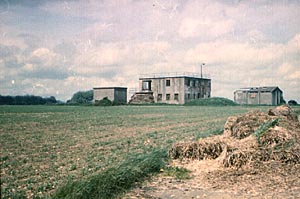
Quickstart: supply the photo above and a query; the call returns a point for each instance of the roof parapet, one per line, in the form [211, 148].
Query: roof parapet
[174, 74]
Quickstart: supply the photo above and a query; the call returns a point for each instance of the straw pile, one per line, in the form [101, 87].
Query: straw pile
[253, 138]
[209, 148]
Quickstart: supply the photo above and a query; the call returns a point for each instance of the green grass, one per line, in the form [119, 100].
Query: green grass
[44, 146]
[208, 133]
[117, 179]
[214, 101]
[177, 173]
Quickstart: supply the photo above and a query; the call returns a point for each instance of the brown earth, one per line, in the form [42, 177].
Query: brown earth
[258, 156]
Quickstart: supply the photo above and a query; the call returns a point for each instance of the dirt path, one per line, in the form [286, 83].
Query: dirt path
[210, 181]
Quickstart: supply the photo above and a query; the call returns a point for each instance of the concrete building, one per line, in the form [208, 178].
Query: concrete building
[175, 89]
[258, 96]
[115, 94]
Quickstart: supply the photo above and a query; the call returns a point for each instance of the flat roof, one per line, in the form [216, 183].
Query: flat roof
[174, 75]
[165, 77]
[110, 88]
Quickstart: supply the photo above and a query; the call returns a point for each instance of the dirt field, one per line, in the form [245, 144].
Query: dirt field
[44, 146]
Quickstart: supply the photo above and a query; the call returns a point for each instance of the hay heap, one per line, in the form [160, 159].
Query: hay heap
[253, 138]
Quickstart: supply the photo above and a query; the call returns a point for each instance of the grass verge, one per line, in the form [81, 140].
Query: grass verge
[115, 180]
[214, 101]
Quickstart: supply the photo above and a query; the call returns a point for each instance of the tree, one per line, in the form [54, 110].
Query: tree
[6, 100]
[51, 100]
[82, 97]
[292, 102]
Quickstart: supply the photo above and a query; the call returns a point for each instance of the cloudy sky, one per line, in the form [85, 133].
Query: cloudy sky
[56, 48]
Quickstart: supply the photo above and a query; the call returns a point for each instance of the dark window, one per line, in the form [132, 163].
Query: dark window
[176, 96]
[194, 95]
[168, 83]
[146, 85]
[199, 95]
[188, 82]
[168, 96]
[194, 83]
[188, 96]
[159, 97]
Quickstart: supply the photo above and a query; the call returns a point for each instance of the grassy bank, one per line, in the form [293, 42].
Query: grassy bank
[214, 101]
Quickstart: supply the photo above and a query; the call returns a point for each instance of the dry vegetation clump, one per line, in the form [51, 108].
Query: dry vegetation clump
[243, 126]
[209, 148]
[253, 138]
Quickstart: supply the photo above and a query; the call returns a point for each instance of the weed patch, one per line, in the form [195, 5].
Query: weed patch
[264, 127]
[115, 180]
[177, 172]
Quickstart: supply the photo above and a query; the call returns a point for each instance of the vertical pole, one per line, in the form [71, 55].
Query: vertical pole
[201, 69]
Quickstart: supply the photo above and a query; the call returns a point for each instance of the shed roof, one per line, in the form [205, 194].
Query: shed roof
[264, 89]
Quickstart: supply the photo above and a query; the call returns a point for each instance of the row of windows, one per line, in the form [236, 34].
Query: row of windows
[146, 85]
[168, 97]
[176, 96]
[193, 83]
[194, 96]
[196, 83]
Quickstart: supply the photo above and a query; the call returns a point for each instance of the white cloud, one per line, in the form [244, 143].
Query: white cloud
[285, 68]
[112, 57]
[295, 76]
[45, 57]
[225, 51]
[191, 27]
[205, 19]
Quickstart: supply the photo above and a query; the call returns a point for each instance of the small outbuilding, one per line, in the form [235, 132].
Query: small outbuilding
[259, 96]
[116, 94]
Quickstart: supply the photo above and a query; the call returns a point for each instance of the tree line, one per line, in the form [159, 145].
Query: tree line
[78, 98]
[27, 100]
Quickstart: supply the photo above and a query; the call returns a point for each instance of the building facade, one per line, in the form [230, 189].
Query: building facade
[259, 96]
[115, 94]
[175, 89]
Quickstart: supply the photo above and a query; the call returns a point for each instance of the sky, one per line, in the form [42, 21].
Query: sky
[56, 48]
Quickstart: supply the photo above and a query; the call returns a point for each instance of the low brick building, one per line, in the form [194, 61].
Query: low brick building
[115, 94]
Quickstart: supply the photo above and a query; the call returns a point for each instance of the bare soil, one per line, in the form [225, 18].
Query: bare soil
[211, 181]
